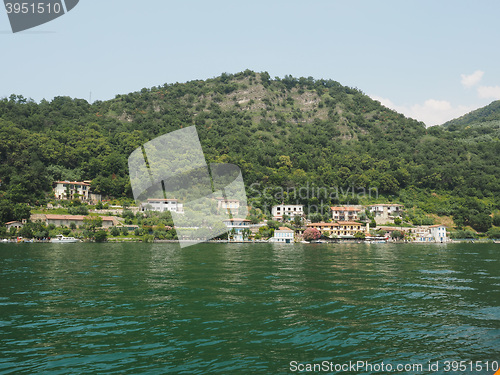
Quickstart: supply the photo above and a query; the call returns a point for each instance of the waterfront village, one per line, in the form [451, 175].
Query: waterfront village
[286, 224]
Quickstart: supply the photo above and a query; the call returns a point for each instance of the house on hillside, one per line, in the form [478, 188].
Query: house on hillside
[162, 205]
[68, 190]
[230, 206]
[345, 213]
[385, 213]
[290, 210]
[14, 224]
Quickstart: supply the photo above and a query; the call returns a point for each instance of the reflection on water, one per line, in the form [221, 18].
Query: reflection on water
[244, 308]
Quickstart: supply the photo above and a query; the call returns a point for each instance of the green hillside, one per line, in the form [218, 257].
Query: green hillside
[489, 113]
[284, 133]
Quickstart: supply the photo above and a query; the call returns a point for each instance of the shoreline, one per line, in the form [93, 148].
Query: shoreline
[135, 240]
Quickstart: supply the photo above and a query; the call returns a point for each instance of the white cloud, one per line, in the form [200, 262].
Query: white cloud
[472, 79]
[489, 92]
[431, 112]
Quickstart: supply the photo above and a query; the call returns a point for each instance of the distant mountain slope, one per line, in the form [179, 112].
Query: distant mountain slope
[491, 112]
[479, 126]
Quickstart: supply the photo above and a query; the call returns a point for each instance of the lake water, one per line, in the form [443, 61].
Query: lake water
[248, 308]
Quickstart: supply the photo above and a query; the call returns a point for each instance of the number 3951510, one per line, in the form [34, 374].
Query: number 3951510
[24, 8]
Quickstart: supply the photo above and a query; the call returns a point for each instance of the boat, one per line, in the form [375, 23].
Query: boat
[62, 239]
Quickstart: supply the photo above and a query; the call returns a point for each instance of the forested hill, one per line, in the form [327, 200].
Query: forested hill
[491, 112]
[288, 132]
[479, 126]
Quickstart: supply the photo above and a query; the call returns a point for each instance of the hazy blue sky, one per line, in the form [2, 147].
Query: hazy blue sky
[431, 60]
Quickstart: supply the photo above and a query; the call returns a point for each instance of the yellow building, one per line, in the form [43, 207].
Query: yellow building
[341, 229]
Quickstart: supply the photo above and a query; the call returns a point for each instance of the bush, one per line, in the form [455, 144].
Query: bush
[397, 234]
[496, 220]
[359, 235]
[461, 234]
[101, 236]
[78, 210]
[311, 234]
[147, 238]
[114, 232]
[127, 214]
[494, 233]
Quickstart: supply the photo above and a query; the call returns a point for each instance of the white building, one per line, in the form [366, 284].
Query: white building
[384, 213]
[438, 232]
[14, 224]
[291, 210]
[68, 190]
[429, 233]
[162, 205]
[345, 213]
[236, 228]
[283, 235]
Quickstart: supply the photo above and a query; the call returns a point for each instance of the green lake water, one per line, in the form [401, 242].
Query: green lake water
[136, 308]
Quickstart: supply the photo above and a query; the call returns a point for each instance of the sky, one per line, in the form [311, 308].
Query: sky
[430, 60]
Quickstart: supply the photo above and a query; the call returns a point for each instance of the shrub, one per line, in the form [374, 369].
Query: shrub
[311, 234]
[494, 233]
[101, 236]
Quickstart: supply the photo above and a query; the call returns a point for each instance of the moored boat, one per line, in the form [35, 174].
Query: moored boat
[62, 239]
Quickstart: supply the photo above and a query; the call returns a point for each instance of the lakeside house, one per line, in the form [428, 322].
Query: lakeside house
[68, 190]
[345, 213]
[66, 220]
[236, 227]
[390, 230]
[429, 233]
[283, 235]
[385, 213]
[162, 205]
[291, 210]
[341, 229]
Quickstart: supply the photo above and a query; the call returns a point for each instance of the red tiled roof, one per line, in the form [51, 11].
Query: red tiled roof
[345, 209]
[323, 224]
[386, 205]
[162, 200]
[72, 183]
[76, 217]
